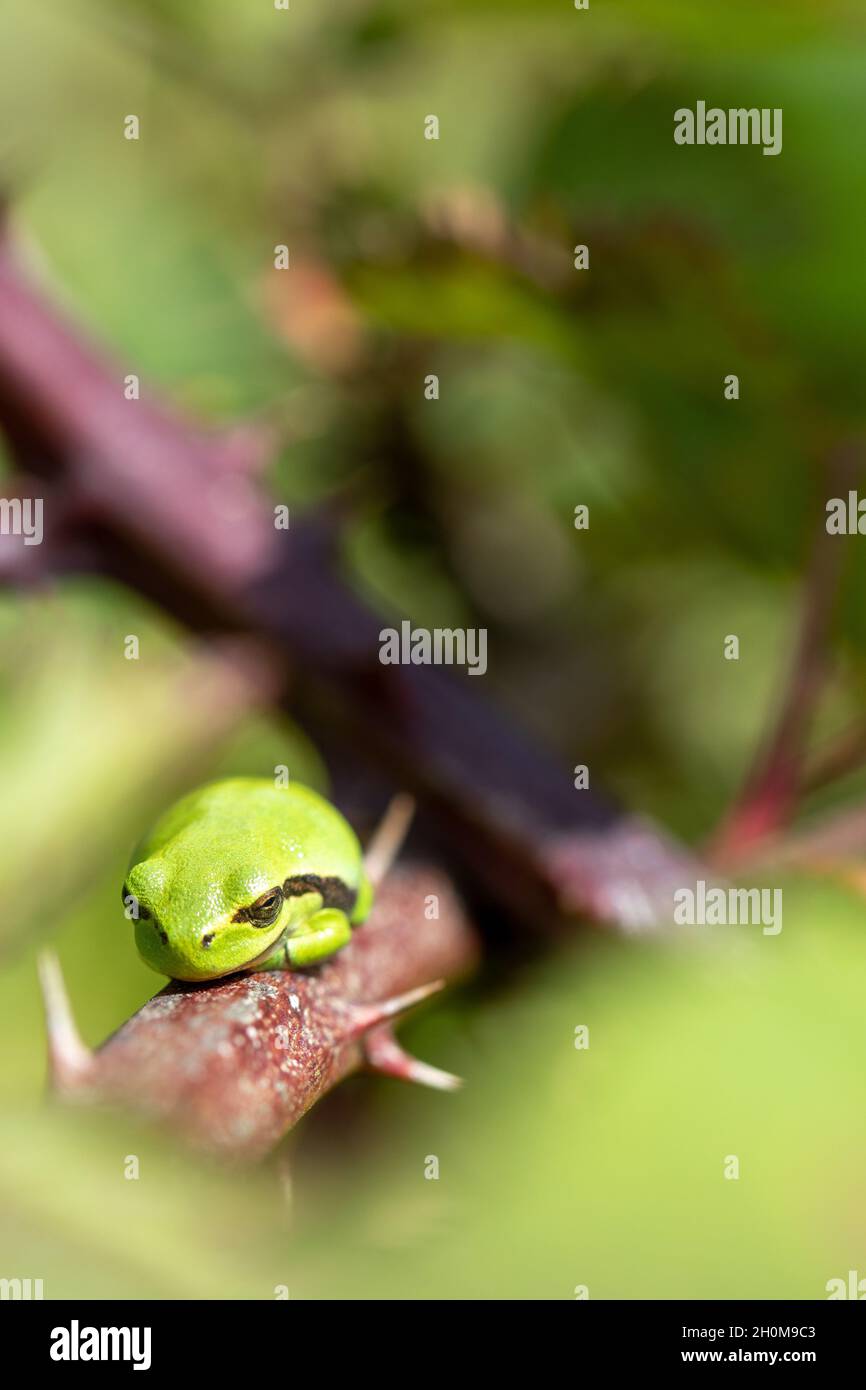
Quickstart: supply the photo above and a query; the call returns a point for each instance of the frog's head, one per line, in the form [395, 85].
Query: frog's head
[194, 921]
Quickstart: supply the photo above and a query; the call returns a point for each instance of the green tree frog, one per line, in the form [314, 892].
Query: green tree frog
[243, 874]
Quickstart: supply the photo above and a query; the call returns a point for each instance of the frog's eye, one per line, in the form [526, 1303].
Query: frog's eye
[130, 900]
[265, 910]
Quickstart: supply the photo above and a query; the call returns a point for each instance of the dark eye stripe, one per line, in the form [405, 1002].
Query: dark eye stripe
[335, 893]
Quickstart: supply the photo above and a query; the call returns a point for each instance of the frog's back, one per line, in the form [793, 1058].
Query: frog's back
[292, 825]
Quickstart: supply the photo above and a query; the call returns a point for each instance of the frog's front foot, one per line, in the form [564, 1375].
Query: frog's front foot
[320, 936]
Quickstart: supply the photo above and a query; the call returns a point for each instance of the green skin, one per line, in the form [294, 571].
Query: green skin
[245, 875]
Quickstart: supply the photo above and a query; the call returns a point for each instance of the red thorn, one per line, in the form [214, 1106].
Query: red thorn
[367, 1016]
[385, 1055]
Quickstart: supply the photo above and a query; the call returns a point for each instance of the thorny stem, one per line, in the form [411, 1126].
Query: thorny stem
[255, 1052]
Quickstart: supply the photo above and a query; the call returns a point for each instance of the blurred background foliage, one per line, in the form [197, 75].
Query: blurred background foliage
[558, 388]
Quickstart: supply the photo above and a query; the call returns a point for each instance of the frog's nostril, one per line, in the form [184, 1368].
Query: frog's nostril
[163, 935]
[207, 939]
